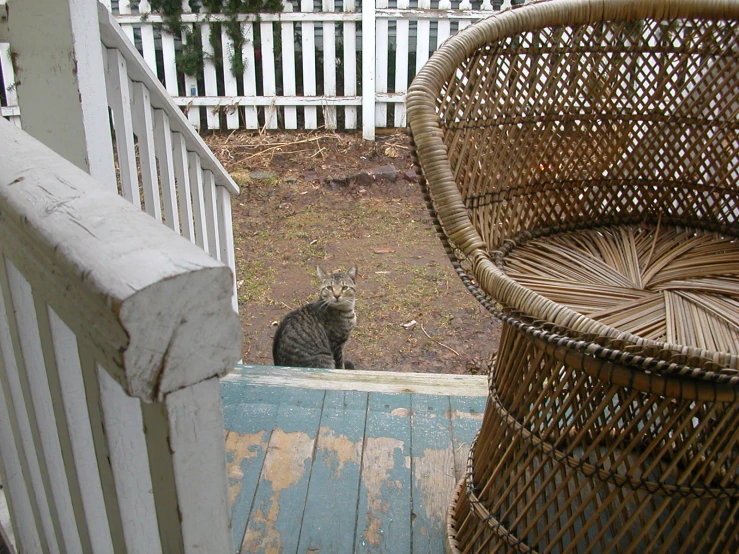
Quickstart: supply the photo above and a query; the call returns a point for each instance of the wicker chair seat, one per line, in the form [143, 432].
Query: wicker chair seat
[580, 159]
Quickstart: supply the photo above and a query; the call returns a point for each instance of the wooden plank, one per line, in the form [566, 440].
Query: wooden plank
[370, 381]
[444, 25]
[384, 511]
[268, 72]
[147, 36]
[288, 66]
[350, 65]
[280, 497]
[329, 65]
[184, 192]
[229, 79]
[191, 88]
[249, 417]
[212, 116]
[432, 471]
[143, 126]
[211, 214]
[401, 65]
[466, 418]
[165, 157]
[198, 201]
[119, 99]
[250, 74]
[463, 5]
[272, 101]
[381, 64]
[308, 41]
[129, 461]
[331, 504]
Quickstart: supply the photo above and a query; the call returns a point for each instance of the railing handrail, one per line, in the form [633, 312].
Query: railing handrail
[156, 308]
[112, 36]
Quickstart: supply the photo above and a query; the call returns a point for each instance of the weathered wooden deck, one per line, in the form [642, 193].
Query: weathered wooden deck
[345, 461]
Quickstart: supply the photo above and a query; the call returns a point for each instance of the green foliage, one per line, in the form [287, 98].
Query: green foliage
[190, 57]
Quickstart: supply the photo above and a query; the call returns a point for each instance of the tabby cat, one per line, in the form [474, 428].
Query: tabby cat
[314, 335]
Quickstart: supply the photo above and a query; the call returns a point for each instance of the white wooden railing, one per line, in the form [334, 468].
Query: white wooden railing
[162, 165]
[343, 65]
[113, 332]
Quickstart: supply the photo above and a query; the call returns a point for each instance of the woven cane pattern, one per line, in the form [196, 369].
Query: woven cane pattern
[580, 159]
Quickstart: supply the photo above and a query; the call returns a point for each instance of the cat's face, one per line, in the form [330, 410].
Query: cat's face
[338, 289]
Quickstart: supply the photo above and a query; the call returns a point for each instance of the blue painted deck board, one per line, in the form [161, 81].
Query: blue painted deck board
[339, 471]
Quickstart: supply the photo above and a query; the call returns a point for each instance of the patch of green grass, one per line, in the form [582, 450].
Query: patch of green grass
[253, 281]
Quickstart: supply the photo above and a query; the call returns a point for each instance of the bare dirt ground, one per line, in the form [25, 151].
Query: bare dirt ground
[336, 200]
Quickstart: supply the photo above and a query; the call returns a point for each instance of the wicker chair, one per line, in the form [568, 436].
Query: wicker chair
[581, 161]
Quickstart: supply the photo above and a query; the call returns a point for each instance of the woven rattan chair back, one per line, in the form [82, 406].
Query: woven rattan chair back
[581, 161]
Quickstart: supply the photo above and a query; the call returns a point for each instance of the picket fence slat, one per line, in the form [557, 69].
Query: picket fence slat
[401, 65]
[329, 65]
[381, 64]
[230, 87]
[268, 72]
[8, 75]
[250, 75]
[309, 64]
[168, 59]
[209, 76]
[191, 89]
[350, 65]
[288, 67]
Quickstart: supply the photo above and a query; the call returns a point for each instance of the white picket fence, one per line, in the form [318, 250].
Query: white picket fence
[312, 65]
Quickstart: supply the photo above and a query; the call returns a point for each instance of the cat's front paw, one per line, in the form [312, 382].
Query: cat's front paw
[348, 365]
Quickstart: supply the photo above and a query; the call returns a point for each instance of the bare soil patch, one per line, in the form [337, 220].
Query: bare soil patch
[337, 200]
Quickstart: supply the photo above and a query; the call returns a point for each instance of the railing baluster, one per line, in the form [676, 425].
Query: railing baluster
[381, 64]
[143, 126]
[401, 64]
[119, 100]
[32, 458]
[184, 194]
[226, 233]
[198, 202]
[129, 460]
[211, 214]
[165, 157]
[72, 389]
[287, 30]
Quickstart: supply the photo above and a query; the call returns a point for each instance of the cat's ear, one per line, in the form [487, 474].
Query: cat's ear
[353, 273]
[321, 274]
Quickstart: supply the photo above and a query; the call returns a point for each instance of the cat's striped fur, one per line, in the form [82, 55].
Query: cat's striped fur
[314, 335]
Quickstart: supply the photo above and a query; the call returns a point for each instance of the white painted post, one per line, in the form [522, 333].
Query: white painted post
[229, 79]
[170, 65]
[73, 121]
[444, 28]
[191, 82]
[368, 69]
[309, 64]
[463, 5]
[124, 7]
[329, 66]
[268, 72]
[401, 62]
[212, 113]
[250, 75]
[381, 64]
[288, 66]
[350, 65]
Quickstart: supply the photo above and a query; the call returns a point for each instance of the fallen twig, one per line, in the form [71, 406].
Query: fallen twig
[439, 343]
